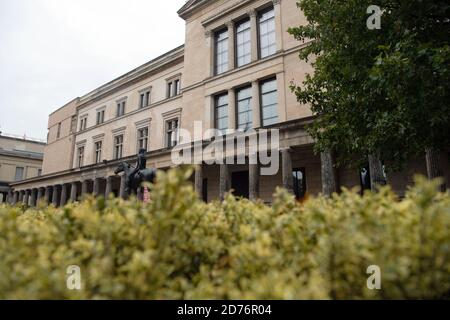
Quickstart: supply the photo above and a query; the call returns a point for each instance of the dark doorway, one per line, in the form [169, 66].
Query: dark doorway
[240, 184]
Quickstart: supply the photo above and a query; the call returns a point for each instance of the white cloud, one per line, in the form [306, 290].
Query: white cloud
[52, 51]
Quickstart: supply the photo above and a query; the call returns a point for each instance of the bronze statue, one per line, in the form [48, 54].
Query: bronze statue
[135, 176]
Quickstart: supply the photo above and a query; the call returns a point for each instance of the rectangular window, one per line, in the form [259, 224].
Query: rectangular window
[98, 151]
[39, 172]
[177, 85]
[83, 124]
[173, 88]
[243, 43]
[169, 89]
[172, 133]
[118, 147]
[299, 183]
[269, 104]
[244, 108]
[144, 99]
[100, 117]
[143, 138]
[267, 36]
[58, 134]
[73, 124]
[80, 157]
[221, 112]
[120, 109]
[19, 174]
[221, 51]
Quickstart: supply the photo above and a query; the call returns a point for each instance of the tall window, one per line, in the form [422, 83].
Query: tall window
[83, 123]
[144, 99]
[100, 117]
[172, 133]
[269, 105]
[19, 174]
[39, 172]
[177, 85]
[221, 51]
[267, 37]
[98, 151]
[244, 108]
[221, 112]
[299, 183]
[73, 124]
[58, 134]
[243, 43]
[118, 147]
[120, 108]
[173, 88]
[80, 157]
[143, 138]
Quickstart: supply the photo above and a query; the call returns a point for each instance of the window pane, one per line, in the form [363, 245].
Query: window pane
[269, 102]
[267, 38]
[221, 112]
[243, 43]
[221, 52]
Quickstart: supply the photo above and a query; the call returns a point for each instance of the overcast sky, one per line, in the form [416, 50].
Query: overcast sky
[52, 51]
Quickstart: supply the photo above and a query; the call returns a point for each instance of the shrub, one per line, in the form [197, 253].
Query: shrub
[177, 247]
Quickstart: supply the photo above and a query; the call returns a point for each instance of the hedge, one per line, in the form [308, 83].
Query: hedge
[178, 247]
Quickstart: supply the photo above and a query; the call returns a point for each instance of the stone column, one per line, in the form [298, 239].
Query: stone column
[279, 32]
[253, 181]
[16, 197]
[84, 187]
[231, 109]
[47, 195]
[64, 190]
[108, 189]
[123, 186]
[33, 196]
[96, 187]
[199, 180]
[254, 35]
[209, 38]
[377, 178]
[26, 197]
[256, 105]
[329, 183]
[10, 197]
[231, 41]
[40, 195]
[286, 163]
[224, 186]
[55, 197]
[73, 192]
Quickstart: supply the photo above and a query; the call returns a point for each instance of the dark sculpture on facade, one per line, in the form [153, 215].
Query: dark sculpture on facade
[135, 176]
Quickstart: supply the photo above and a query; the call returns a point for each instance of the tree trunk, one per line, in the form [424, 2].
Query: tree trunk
[329, 183]
[433, 166]
[377, 178]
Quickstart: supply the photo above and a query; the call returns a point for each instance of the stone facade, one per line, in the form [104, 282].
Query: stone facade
[230, 45]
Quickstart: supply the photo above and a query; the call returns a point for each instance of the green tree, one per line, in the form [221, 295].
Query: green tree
[378, 93]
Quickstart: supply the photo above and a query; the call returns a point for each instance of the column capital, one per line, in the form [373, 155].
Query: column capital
[275, 2]
[230, 24]
[251, 13]
[208, 33]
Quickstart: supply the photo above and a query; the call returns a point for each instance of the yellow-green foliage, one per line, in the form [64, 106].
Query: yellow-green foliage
[177, 247]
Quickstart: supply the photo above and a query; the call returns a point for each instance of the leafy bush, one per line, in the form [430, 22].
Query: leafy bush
[177, 247]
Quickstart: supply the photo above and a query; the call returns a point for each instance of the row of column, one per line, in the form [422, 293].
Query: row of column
[60, 194]
[329, 183]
